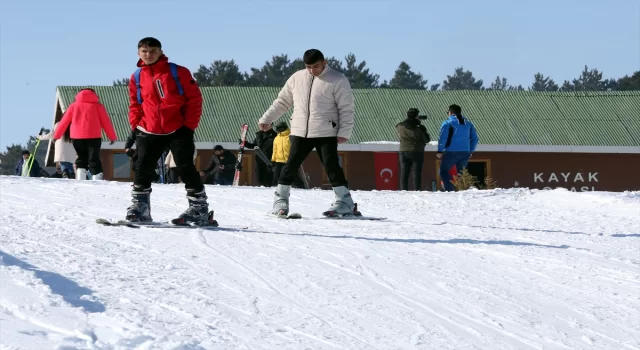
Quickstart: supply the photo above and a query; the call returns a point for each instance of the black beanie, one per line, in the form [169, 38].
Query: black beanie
[282, 126]
[413, 113]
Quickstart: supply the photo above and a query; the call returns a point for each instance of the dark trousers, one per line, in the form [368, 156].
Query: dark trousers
[150, 148]
[449, 159]
[411, 161]
[173, 176]
[265, 176]
[88, 151]
[277, 170]
[327, 149]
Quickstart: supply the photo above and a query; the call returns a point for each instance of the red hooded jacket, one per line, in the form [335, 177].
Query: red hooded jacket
[87, 117]
[163, 109]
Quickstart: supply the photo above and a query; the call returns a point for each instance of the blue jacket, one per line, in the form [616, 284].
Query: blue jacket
[457, 137]
[35, 168]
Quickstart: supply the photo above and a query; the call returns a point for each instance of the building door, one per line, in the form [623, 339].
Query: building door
[478, 169]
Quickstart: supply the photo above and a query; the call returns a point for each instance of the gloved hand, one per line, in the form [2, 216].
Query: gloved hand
[129, 152]
[239, 166]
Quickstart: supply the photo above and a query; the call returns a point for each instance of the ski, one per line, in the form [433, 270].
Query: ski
[303, 177]
[288, 216]
[163, 225]
[243, 139]
[356, 215]
[263, 157]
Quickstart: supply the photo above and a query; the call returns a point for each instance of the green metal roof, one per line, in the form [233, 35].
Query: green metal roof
[501, 117]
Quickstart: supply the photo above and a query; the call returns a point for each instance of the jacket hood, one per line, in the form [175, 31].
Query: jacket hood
[87, 96]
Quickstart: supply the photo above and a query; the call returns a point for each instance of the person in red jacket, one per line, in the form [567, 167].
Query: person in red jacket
[165, 107]
[86, 117]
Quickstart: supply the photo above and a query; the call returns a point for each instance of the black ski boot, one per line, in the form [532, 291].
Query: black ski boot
[140, 210]
[198, 212]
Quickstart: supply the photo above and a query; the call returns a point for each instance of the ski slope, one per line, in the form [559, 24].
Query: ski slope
[500, 269]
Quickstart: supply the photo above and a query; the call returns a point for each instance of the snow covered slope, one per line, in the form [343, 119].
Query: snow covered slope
[501, 269]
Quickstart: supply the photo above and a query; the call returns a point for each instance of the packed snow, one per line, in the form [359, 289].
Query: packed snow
[496, 269]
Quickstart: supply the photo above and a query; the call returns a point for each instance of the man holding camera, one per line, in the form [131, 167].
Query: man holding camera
[413, 138]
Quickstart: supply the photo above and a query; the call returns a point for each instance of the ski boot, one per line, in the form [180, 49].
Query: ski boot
[97, 177]
[281, 201]
[140, 210]
[81, 174]
[343, 205]
[198, 213]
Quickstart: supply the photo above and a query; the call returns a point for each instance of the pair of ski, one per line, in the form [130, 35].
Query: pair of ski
[356, 215]
[174, 223]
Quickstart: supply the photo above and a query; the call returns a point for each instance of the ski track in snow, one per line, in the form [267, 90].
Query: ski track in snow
[499, 269]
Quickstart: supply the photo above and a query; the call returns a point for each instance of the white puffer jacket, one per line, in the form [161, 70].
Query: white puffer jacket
[63, 151]
[323, 106]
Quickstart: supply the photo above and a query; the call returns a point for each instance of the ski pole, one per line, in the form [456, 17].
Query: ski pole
[35, 148]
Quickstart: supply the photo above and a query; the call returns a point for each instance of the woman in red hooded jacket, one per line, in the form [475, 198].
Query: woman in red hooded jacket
[87, 117]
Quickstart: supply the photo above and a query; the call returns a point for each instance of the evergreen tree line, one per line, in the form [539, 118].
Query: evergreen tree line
[278, 70]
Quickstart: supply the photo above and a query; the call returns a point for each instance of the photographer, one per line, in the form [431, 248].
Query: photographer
[413, 138]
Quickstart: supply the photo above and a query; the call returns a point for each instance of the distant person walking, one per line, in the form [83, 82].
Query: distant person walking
[458, 140]
[86, 117]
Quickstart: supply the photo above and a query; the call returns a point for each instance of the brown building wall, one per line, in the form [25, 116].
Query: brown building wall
[574, 171]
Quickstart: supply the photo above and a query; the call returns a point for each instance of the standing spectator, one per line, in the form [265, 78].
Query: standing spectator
[64, 154]
[458, 140]
[87, 117]
[222, 166]
[413, 138]
[264, 140]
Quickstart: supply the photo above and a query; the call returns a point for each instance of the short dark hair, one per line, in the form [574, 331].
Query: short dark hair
[455, 109]
[312, 56]
[25, 152]
[149, 42]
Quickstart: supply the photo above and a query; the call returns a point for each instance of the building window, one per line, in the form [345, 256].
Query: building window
[121, 166]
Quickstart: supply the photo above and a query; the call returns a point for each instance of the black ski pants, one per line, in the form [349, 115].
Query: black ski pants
[327, 149]
[88, 151]
[150, 147]
[411, 161]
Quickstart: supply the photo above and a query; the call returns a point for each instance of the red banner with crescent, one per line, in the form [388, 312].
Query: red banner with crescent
[387, 170]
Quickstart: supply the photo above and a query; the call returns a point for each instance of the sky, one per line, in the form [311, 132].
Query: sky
[48, 43]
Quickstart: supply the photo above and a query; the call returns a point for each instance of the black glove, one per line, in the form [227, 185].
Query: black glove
[130, 152]
[239, 166]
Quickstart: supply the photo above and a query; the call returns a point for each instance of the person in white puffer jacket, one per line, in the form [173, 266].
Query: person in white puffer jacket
[64, 154]
[323, 116]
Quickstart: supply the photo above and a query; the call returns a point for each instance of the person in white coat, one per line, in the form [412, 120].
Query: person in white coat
[64, 154]
[323, 110]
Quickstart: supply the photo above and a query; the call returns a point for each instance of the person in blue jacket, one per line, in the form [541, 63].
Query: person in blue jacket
[22, 168]
[458, 140]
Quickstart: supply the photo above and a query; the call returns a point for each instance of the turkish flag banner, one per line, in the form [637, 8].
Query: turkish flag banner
[387, 171]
